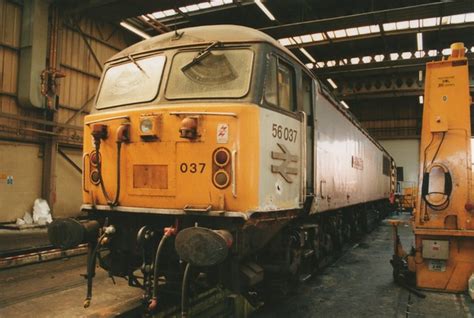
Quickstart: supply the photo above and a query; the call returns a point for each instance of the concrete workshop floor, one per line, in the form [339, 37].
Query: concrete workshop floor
[360, 284]
[57, 289]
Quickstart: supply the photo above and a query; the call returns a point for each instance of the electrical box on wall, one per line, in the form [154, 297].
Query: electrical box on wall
[435, 249]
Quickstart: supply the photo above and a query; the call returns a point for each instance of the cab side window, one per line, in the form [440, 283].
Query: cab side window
[279, 84]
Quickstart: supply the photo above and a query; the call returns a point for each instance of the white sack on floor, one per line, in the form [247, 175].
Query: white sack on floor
[41, 212]
[27, 218]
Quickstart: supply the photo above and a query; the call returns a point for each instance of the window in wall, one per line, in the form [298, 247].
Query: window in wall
[399, 173]
[386, 166]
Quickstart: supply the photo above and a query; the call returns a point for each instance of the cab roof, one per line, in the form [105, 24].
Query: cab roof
[224, 33]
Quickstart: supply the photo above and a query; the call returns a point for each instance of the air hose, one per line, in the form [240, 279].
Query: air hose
[184, 291]
[91, 270]
[122, 136]
[153, 302]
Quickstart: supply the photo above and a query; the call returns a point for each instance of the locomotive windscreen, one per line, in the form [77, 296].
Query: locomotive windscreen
[220, 74]
[132, 82]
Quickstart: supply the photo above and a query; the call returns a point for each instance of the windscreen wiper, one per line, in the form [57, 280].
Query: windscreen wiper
[137, 65]
[201, 55]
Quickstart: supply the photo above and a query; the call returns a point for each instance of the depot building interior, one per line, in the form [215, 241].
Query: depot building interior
[236, 158]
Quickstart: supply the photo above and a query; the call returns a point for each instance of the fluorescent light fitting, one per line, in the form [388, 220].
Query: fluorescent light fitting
[406, 55]
[355, 60]
[265, 10]
[330, 81]
[379, 57]
[394, 56]
[446, 51]
[135, 30]
[344, 104]
[307, 55]
[419, 41]
[420, 99]
[419, 54]
[420, 76]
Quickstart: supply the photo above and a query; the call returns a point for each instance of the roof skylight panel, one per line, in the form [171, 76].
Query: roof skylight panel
[374, 28]
[317, 37]
[403, 25]
[458, 18]
[364, 30]
[469, 17]
[306, 38]
[284, 41]
[389, 26]
[352, 32]
[340, 33]
[430, 22]
[414, 24]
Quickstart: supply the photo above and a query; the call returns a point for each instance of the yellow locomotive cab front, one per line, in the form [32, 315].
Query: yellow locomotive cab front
[210, 155]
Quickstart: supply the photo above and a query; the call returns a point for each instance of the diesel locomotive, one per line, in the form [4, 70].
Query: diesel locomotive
[214, 156]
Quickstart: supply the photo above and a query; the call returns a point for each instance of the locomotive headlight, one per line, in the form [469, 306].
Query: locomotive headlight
[149, 125]
[146, 125]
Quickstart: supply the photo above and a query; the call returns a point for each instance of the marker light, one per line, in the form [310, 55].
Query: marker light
[221, 157]
[221, 179]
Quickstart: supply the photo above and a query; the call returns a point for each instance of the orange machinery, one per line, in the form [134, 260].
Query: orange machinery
[443, 223]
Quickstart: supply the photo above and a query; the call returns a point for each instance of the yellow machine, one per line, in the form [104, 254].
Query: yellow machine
[443, 258]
